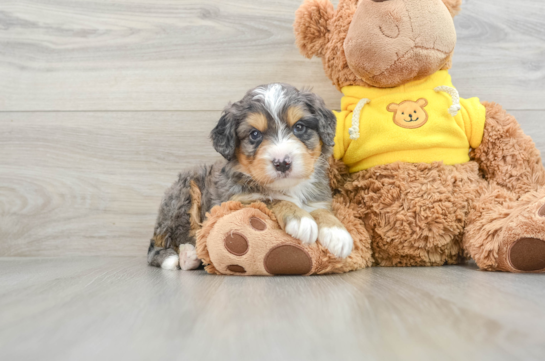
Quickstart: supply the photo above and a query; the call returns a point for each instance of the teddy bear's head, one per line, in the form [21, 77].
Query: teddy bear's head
[380, 43]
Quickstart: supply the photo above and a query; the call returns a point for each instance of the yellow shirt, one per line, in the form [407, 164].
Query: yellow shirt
[410, 123]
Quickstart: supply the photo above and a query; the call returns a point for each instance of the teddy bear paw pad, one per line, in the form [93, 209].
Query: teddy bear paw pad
[236, 244]
[236, 268]
[541, 211]
[288, 259]
[258, 224]
[528, 255]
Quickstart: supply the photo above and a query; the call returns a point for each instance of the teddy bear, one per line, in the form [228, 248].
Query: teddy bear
[421, 176]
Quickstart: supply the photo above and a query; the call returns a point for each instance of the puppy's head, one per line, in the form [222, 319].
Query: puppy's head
[276, 134]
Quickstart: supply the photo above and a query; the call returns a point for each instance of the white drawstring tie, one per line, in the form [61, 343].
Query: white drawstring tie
[355, 130]
[456, 107]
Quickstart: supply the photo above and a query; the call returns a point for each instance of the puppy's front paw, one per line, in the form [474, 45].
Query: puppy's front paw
[304, 229]
[188, 257]
[170, 262]
[337, 240]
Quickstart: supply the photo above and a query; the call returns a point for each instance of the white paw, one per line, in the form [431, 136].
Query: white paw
[337, 240]
[305, 229]
[170, 263]
[188, 257]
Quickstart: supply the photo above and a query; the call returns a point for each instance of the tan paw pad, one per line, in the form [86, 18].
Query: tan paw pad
[541, 211]
[288, 259]
[528, 255]
[236, 244]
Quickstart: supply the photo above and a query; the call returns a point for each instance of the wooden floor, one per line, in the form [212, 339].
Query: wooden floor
[98, 308]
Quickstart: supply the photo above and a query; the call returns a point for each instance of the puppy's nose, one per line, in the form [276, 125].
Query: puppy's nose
[282, 165]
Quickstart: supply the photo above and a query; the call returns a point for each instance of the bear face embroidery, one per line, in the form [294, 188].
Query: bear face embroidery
[409, 114]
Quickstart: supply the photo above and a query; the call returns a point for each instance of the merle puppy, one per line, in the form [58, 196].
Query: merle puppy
[276, 142]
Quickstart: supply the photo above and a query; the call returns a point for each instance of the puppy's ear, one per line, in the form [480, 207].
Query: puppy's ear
[224, 135]
[311, 26]
[453, 6]
[327, 122]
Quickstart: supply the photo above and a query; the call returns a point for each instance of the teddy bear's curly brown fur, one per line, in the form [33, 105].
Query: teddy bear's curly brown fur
[490, 209]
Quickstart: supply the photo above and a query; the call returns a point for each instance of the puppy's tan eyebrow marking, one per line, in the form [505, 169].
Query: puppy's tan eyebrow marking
[258, 121]
[294, 114]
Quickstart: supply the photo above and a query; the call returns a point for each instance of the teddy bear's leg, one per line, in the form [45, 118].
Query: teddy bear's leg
[249, 241]
[506, 155]
[507, 233]
[506, 228]
[238, 240]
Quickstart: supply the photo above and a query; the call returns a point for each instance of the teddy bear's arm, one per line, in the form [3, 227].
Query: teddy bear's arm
[506, 155]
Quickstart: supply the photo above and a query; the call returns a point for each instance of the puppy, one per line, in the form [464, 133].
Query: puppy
[276, 142]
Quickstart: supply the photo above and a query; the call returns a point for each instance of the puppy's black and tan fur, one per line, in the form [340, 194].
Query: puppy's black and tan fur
[276, 142]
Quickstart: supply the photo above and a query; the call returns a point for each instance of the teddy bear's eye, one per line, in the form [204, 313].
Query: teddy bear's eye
[402, 113]
[415, 112]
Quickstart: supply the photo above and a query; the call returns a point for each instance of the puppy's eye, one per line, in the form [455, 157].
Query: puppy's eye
[255, 135]
[299, 129]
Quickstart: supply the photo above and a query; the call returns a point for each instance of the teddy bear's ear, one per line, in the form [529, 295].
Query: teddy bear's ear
[453, 6]
[311, 26]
